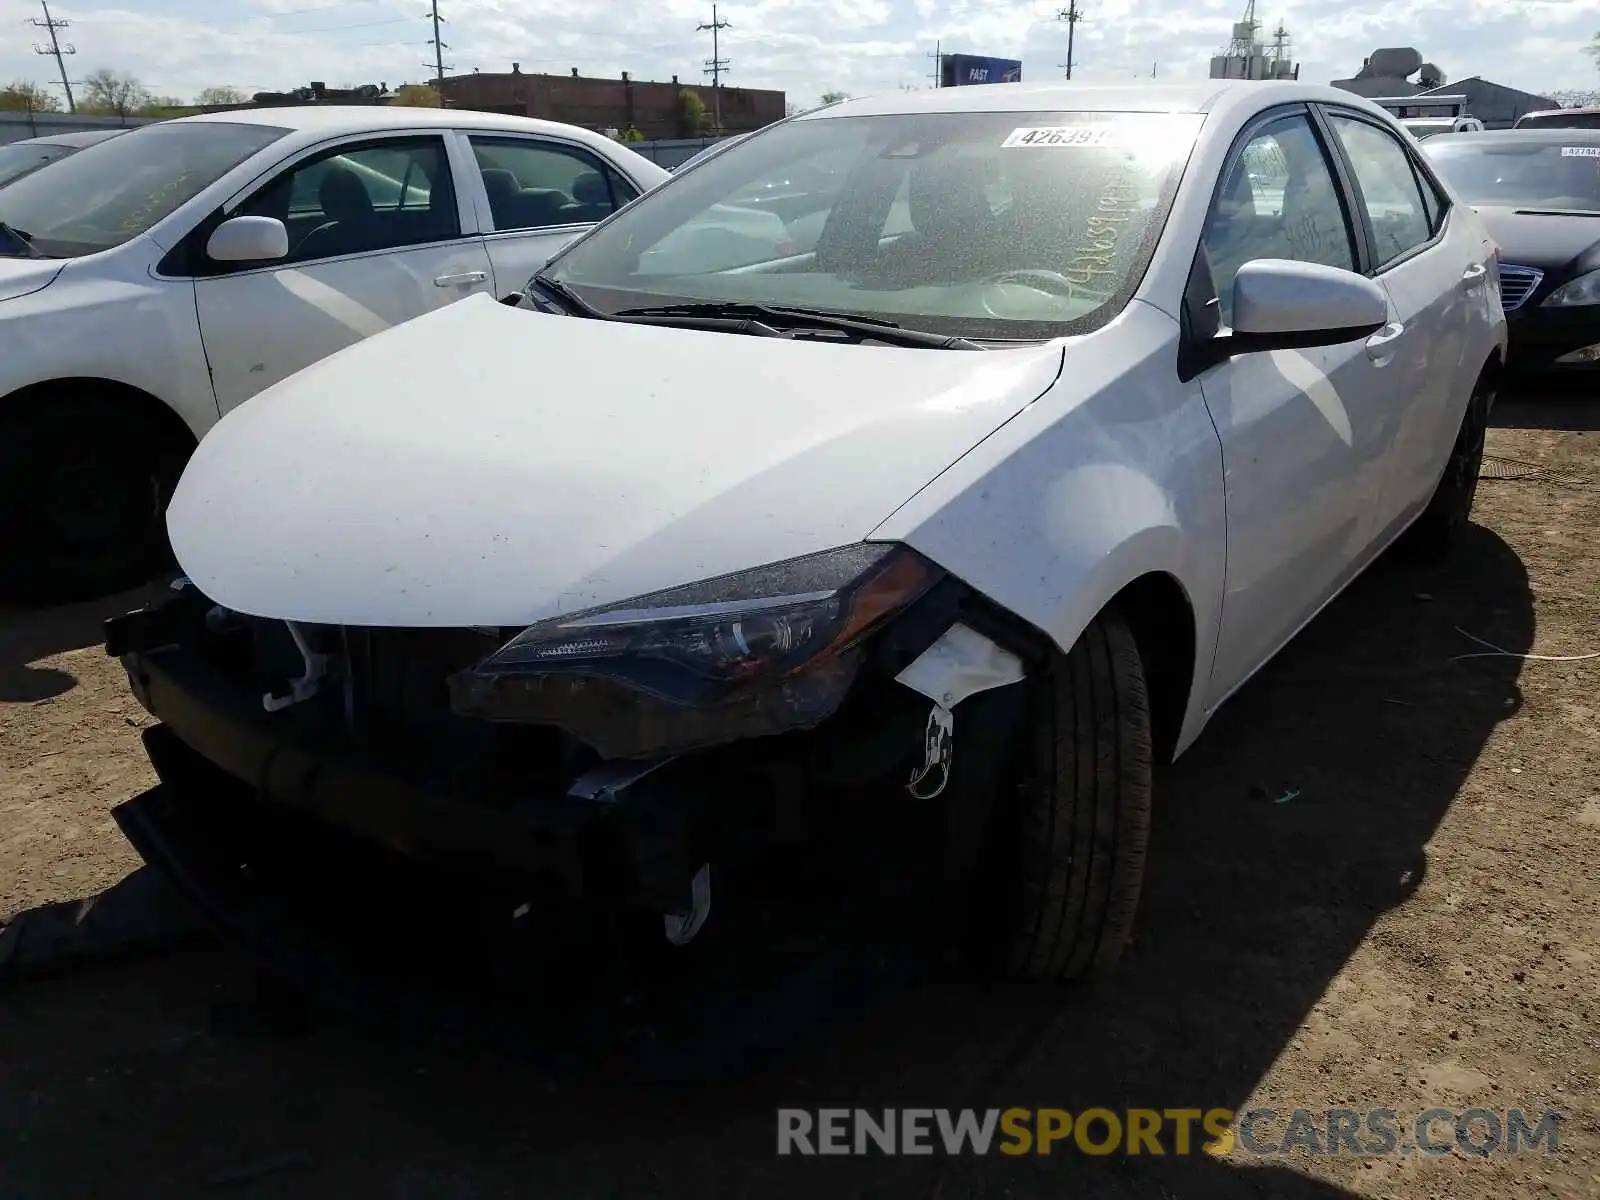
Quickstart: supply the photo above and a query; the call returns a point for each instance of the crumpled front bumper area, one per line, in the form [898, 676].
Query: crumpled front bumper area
[481, 804]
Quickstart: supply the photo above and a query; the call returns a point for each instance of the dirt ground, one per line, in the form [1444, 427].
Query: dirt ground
[1375, 882]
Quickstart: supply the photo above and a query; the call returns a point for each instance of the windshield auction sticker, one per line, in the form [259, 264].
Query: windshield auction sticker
[1064, 137]
[1580, 152]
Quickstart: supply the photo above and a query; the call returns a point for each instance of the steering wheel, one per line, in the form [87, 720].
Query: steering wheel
[1051, 283]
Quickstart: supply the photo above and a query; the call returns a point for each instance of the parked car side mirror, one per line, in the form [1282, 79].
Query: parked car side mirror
[1283, 305]
[248, 239]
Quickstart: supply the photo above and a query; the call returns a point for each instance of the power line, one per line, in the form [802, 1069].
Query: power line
[1071, 14]
[337, 28]
[937, 74]
[55, 50]
[439, 48]
[715, 66]
[315, 8]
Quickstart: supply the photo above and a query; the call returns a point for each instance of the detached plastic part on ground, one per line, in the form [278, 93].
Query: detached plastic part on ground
[140, 915]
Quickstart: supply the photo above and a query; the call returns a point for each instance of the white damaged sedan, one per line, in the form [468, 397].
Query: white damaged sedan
[1074, 405]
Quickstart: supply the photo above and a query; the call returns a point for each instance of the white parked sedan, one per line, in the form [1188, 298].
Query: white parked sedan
[154, 281]
[956, 520]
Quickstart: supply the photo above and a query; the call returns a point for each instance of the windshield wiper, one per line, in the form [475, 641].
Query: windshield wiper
[567, 296]
[1558, 212]
[22, 239]
[578, 305]
[783, 315]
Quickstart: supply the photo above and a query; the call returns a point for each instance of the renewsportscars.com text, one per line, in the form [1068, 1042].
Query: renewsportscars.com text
[1478, 1132]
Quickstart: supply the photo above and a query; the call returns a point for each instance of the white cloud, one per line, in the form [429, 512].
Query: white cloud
[177, 47]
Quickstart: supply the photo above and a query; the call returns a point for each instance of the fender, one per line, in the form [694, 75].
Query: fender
[102, 322]
[1069, 491]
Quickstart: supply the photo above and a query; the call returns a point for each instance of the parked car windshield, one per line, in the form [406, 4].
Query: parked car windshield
[987, 225]
[113, 191]
[1545, 172]
[19, 158]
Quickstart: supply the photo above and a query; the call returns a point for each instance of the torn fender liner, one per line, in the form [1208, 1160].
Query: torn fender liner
[962, 663]
[372, 934]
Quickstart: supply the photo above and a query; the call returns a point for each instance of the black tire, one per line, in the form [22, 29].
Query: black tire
[84, 486]
[1435, 533]
[1083, 818]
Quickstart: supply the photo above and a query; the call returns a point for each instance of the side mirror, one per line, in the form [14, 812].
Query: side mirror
[248, 239]
[1283, 305]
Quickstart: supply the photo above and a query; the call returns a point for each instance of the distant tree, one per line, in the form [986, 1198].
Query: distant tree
[163, 106]
[693, 119]
[113, 93]
[212, 96]
[418, 95]
[1593, 49]
[1575, 98]
[833, 98]
[23, 95]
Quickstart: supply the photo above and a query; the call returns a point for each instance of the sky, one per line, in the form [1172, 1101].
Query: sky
[805, 47]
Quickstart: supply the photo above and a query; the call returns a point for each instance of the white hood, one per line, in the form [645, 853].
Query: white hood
[24, 276]
[486, 465]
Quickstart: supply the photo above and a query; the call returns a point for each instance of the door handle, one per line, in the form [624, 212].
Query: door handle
[1473, 276]
[463, 277]
[1380, 346]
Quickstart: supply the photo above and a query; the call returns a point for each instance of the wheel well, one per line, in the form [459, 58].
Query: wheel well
[151, 412]
[1158, 611]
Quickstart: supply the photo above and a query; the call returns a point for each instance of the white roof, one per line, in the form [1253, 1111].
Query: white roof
[1061, 95]
[311, 122]
[360, 118]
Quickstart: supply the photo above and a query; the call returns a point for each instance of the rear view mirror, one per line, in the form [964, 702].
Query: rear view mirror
[1283, 305]
[248, 239]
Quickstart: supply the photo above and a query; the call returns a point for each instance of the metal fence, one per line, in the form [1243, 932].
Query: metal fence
[15, 126]
[670, 152]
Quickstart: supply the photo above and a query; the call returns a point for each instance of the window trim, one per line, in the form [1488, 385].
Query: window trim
[486, 221]
[1326, 113]
[187, 259]
[1200, 290]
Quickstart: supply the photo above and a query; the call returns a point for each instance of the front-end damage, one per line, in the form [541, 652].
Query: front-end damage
[618, 760]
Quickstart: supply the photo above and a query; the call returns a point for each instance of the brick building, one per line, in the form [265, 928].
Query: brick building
[654, 109]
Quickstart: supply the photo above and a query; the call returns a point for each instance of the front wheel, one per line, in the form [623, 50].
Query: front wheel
[84, 485]
[1081, 822]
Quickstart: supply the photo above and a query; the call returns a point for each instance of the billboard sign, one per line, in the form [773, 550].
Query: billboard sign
[961, 70]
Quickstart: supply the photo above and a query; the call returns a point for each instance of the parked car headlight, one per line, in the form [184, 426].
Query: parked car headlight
[758, 652]
[1585, 289]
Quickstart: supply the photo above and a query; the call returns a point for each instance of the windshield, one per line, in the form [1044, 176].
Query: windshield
[113, 191]
[979, 225]
[1524, 174]
[18, 160]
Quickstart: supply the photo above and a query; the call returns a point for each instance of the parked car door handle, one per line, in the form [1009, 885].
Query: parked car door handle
[1380, 346]
[463, 277]
[1473, 276]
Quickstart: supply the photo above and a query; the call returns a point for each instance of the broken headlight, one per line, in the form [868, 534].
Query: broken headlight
[758, 652]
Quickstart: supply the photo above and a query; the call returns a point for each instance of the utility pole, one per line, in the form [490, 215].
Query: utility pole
[1071, 14]
[937, 74]
[715, 66]
[439, 48]
[56, 50]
